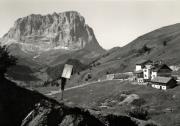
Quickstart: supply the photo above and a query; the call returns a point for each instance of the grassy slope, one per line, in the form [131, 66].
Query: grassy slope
[153, 40]
[156, 101]
[56, 71]
[17, 102]
[124, 58]
[48, 64]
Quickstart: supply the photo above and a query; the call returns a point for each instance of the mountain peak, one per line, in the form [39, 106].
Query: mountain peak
[66, 30]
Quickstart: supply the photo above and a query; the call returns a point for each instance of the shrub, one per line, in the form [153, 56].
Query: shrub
[89, 76]
[139, 113]
[107, 72]
[6, 60]
[144, 49]
[98, 63]
[138, 102]
[46, 83]
[165, 43]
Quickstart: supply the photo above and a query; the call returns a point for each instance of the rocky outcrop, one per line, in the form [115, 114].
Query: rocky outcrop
[48, 114]
[66, 30]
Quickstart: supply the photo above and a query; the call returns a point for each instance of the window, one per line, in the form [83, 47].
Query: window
[164, 87]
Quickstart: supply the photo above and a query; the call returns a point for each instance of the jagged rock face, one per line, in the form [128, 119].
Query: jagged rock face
[65, 30]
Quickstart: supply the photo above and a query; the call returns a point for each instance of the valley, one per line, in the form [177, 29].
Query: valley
[109, 87]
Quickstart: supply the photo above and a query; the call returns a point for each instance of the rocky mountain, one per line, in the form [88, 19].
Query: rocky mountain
[44, 41]
[66, 30]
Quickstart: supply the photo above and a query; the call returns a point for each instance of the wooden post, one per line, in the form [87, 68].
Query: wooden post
[62, 92]
[66, 74]
[63, 83]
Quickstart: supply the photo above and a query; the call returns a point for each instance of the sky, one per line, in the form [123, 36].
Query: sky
[115, 22]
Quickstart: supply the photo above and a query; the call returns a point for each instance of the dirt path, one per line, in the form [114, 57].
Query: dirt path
[78, 86]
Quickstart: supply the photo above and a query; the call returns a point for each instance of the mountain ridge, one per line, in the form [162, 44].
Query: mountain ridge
[67, 30]
[44, 41]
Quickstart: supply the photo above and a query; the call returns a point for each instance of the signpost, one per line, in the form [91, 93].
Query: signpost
[67, 71]
[66, 74]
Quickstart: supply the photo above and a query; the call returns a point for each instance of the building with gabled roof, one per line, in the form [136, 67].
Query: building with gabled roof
[141, 64]
[147, 71]
[142, 70]
[163, 82]
[161, 70]
[160, 67]
[139, 76]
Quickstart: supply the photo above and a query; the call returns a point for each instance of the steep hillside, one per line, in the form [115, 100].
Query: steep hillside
[55, 71]
[161, 44]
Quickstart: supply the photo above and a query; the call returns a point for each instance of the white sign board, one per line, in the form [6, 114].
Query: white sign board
[67, 71]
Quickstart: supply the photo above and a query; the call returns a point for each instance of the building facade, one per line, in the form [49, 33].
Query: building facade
[158, 74]
[163, 83]
[161, 71]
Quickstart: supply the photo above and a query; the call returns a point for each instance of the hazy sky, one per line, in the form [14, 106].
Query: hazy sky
[115, 22]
